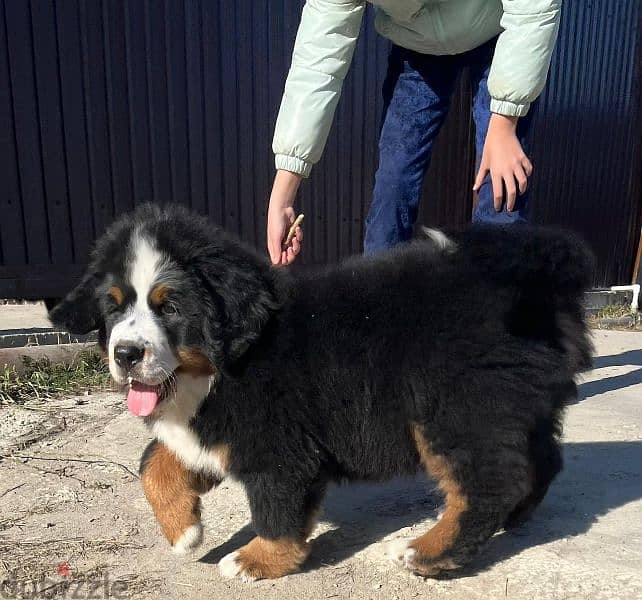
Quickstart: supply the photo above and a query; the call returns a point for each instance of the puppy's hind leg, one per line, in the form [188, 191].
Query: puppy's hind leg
[173, 492]
[476, 504]
[546, 463]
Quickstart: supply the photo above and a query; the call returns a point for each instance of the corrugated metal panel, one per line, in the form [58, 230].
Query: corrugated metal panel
[105, 104]
[589, 133]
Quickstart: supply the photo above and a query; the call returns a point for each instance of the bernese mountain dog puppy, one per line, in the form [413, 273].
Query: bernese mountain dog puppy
[456, 356]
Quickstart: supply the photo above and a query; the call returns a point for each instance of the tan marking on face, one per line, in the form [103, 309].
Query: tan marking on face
[269, 559]
[442, 536]
[159, 294]
[194, 362]
[173, 492]
[117, 294]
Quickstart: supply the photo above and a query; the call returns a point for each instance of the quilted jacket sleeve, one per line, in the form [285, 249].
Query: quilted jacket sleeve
[523, 54]
[322, 54]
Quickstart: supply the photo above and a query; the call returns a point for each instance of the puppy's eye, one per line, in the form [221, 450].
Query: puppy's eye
[167, 308]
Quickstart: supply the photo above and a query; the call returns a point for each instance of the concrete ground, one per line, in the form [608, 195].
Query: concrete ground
[25, 330]
[23, 316]
[27, 326]
[66, 520]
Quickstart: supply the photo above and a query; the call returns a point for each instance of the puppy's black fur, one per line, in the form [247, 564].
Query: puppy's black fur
[461, 358]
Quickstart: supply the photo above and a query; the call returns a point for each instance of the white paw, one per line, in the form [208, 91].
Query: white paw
[399, 552]
[191, 539]
[230, 567]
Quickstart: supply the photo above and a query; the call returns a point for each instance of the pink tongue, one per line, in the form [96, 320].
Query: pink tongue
[142, 399]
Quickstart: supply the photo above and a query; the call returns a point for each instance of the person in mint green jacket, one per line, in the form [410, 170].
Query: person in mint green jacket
[506, 44]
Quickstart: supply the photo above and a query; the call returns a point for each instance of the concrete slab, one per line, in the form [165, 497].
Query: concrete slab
[27, 325]
[16, 317]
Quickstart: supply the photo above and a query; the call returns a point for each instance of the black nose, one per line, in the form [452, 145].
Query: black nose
[128, 355]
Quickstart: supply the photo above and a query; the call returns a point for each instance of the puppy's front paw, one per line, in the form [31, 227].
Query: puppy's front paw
[230, 566]
[190, 539]
[264, 559]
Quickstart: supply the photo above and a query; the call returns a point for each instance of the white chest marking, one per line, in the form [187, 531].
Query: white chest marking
[171, 427]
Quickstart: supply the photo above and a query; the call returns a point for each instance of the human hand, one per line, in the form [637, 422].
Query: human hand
[504, 158]
[281, 216]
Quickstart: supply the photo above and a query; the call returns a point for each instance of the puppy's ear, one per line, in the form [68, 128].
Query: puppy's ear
[79, 311]
[246, 297]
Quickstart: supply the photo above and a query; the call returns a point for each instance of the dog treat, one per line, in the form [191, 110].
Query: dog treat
[292, 231]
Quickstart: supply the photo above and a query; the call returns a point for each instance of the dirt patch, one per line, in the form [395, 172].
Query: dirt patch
[57, 525]
[16, 424]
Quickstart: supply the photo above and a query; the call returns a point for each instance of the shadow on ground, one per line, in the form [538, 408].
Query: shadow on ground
[361, 514]
[617, 382]
[598, 477]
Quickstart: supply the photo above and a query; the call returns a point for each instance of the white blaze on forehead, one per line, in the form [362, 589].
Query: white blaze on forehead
[147, 267]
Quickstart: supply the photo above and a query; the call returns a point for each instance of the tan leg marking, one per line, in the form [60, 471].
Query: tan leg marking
[438, 540]
[265, 559]
[270, 559]
[173, 492]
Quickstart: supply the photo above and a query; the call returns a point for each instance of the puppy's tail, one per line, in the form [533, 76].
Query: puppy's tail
[438, 238]
[550, 270]
[554, 261]
[536, 257]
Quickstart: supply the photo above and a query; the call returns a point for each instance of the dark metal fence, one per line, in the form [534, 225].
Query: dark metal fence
[105, 104]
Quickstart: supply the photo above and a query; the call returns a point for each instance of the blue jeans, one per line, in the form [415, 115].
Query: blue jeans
[417, 94]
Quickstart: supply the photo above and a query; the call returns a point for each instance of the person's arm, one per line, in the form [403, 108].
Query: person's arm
[322, 54]
[517, 76]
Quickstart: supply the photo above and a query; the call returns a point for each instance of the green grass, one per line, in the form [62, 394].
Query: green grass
[40, 379]
[614, 311]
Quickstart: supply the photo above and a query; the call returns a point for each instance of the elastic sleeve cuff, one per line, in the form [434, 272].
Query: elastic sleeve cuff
[293, 164]
[510, 109]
